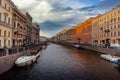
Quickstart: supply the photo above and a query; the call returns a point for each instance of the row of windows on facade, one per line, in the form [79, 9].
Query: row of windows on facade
[112, 34]
[5, 19]
[5, 43]
[115, 26]
[8, 8]
[109, 16]
[5, 33]
[110, 21]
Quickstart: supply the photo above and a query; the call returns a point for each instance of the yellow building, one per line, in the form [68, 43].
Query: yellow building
[106, 28]
[6, 23]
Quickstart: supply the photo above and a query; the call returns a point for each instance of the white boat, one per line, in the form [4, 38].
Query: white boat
[25, 60]
[78, 46]
[109, 57]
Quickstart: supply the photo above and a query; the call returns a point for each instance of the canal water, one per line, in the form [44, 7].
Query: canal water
[59, 62]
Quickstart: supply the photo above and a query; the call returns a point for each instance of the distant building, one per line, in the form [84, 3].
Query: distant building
[6, 23]
[35, 33]
[106, 28]
[29, 29]
[62, 35]
[43, 39]
[69, 35]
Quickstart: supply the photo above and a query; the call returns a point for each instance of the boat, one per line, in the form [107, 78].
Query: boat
[38, 55]
[78, 46]
[117, 62]
[109, 57]
[25, 60]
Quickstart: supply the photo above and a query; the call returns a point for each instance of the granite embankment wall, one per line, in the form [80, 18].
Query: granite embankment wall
[7, 62]
[101, 49]
[10, 55]
[112, 51]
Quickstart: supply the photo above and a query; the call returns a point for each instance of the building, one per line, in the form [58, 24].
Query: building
[29, 29]
[108, 27]
[62, 35]
[70, 35]
[95, 30]
[83, 32]
[6, 23]
[43, 39]
[35, 33]
[19, 27]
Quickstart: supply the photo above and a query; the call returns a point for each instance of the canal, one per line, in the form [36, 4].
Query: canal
[59, 62]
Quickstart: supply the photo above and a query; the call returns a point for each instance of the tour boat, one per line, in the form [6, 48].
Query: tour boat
[25, 60]
[109, 57]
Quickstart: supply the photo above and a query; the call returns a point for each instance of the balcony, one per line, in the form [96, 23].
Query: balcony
[5, 24]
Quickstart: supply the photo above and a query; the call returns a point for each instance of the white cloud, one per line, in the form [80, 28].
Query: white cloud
[43, 10]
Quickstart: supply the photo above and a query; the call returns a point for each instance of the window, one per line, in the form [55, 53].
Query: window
[0, 2]
[0, 32]
[5, 17]
[111, 34]
[114, 33]
[0, 16]
[118, 18]
[0, 43]
[9, 34]
[118, 33]
[4, 33]
[5, 6]
[4, 43]
[114, 19]
[114, 26]
[8, 42]
[119, 25]
[9, 21]
[9, 8]
[118, 11]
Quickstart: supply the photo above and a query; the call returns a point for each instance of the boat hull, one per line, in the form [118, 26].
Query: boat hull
[25, 62]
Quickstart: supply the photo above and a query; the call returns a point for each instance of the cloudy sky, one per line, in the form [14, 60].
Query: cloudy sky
[55, 15]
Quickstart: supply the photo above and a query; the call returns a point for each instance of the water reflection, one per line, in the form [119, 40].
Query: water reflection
[65, 63]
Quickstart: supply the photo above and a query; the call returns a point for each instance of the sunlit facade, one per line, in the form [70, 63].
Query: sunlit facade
[106, 28]
[6, 23]
[84, 32]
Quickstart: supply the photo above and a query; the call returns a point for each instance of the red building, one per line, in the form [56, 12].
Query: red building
[19, 27]
[83, 32]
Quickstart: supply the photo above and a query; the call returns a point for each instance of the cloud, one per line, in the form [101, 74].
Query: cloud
[53, 15]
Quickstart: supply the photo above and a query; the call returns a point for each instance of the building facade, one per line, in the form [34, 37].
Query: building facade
[84, 32]
[6, 23]
[35, 33]
[70, 35]
[29, 29]
[19, 27]
[108, 27]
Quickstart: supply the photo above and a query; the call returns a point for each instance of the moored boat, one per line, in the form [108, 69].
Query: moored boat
[78, 46]
[117, 62]
[109, 57]
[25, 60]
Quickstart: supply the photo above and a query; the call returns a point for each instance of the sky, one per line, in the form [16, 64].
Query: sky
[55, 15]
